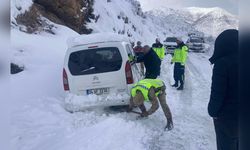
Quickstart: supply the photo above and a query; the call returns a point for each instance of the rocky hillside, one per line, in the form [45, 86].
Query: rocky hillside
[36, 16]
[119, 16]
[125, 17]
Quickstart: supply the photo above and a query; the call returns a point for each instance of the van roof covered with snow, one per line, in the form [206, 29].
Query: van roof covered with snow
[95, 38]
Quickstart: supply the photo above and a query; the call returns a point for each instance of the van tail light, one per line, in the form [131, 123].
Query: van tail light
[128, 72]
[65, 81]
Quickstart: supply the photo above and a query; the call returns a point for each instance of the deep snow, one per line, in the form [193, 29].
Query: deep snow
[39, 120]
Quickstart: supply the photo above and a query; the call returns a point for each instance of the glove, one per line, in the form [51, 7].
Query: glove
[169, 125]
[129, 109]
[144, 114]
[171, 63]
[131, 58]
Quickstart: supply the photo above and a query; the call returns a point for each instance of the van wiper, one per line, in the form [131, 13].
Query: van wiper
[91, 68]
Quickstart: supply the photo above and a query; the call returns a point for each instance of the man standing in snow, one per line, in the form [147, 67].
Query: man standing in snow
[223, 104]
[151, 62]
[138, 49]
[148, 90]
[179, 60]
[159, 49]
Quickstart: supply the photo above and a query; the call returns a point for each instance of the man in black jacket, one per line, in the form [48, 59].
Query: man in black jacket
[223, 104]
[151, 62]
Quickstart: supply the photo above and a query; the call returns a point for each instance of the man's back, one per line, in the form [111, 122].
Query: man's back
[152, 63]
[224, 90]
[229, 75]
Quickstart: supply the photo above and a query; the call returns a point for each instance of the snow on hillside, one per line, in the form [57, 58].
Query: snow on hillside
[198, 12]
[123, 17]
[171, 22]
[210, 21]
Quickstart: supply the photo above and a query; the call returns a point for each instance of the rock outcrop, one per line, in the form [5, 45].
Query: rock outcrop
[72, 13]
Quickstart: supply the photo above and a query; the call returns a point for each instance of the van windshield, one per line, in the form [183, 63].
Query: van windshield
[95, 61]
[196, 40]
[171, 39]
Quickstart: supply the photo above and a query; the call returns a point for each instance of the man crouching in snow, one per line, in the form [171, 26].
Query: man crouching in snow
[148, 90]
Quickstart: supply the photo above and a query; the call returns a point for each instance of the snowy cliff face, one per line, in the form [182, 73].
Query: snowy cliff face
[210, 21]
[125, 17]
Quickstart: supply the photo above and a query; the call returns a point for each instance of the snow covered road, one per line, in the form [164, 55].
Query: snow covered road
[42, 123]
[39, 120]
[193, 126]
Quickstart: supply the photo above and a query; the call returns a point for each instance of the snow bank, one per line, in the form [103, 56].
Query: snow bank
[112, 134]
[42, 57]
[43, 124]
[95, 38]
[76, 103]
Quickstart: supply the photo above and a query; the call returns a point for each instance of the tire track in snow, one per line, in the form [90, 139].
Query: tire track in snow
[193, 127]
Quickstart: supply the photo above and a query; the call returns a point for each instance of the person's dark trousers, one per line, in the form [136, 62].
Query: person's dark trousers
[179, 73]
[227, 136]
[150, 76]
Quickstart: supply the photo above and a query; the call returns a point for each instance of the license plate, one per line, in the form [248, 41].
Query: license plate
[100, 91]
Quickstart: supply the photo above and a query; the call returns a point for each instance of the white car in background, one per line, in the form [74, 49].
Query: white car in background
[98, 64]
[170, 44]
[196, 44]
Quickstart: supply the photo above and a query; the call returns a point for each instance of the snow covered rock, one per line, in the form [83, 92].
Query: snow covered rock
[34, 16]
[14, 68]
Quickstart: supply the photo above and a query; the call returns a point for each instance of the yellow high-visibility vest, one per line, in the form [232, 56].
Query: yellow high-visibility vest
[160, 52]
[144, 86]
[180, 55]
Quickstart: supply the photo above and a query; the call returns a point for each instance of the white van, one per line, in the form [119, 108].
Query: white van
[99, 64]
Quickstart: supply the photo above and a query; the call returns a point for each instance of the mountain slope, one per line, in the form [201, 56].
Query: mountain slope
[213, 21]
[125, 17]
[210, 21]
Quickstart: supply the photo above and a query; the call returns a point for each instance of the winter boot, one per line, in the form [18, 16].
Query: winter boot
[175, 85]
[180, 87]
